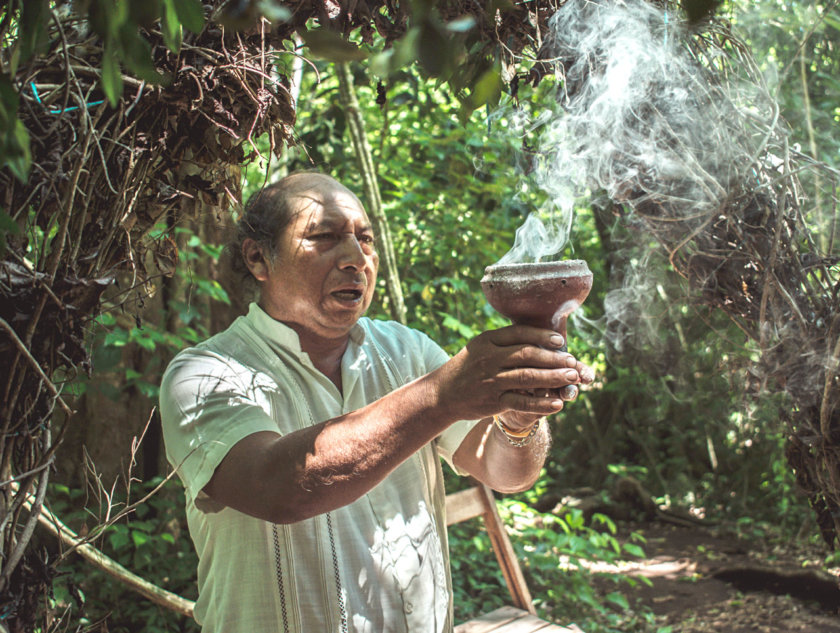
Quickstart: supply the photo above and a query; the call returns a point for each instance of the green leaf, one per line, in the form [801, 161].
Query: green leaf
[331, 46]
[618, 600]
[33, 28]
[487, 90]
[137, 54]
[452, 323]
[145, 343]
[148, 389]
[273, 12]
[139, 538]
[170, 26]
[634, 550]
[118, 537]
[14, 141]
[144, 13]
[461, 25]
[832, 21]
[190, 13]
[18, 155]
[434, 49]
[117, 338]
[402, 53]
[112, 83]
[106, 318]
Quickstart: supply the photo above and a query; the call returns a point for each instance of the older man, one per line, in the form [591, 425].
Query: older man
[309, 437]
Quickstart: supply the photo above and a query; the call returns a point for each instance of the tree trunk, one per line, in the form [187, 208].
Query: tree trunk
[364, 158]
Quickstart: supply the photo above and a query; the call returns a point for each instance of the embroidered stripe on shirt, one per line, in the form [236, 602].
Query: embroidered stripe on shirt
[280, 587]
[342, 609]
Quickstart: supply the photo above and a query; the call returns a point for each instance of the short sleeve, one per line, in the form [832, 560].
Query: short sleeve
[447, 442]
[208, 403]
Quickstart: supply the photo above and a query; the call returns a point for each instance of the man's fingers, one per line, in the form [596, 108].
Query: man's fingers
[525, 334]
[526, 403]
[587, 374]
[568, 393]
[531, 379]
[532, 356]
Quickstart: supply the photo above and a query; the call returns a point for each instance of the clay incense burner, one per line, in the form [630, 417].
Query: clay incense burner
[543, 294]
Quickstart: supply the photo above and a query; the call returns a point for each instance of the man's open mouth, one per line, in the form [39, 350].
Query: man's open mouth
[348, 294]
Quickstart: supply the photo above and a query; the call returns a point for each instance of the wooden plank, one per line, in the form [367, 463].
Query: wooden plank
[512, 620]
[502, 547]
[526, 624]
[464, 505]
[491, 621]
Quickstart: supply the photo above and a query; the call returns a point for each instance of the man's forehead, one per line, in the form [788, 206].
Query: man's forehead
[316, 208]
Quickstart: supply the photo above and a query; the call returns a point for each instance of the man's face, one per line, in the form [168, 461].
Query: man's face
[322, 278]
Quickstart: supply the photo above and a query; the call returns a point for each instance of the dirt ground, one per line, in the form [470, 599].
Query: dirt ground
[703, 581]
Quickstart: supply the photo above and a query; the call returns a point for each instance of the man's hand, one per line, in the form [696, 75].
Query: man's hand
[515, 371]
[517, 421]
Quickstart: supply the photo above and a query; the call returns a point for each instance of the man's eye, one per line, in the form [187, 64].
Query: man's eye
[367, 239]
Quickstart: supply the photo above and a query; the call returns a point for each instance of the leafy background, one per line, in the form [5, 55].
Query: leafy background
[668, 410]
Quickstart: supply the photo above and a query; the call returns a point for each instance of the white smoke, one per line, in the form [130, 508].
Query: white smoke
[637, 121]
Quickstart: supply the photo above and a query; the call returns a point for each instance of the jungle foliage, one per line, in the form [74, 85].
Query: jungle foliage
[671, 408]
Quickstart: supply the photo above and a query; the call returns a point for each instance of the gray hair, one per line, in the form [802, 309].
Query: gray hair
[266, 215]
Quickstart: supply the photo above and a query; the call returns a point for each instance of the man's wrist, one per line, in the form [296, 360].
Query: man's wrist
[521, 437]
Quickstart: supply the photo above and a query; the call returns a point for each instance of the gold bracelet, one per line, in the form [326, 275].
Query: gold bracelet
[518, 438]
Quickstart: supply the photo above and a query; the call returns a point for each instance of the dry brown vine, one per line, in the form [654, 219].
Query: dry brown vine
[103, 176]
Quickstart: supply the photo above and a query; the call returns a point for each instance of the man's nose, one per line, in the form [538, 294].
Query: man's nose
[351, 256]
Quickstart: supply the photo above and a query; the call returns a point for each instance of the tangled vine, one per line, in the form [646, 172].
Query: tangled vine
[102, 176]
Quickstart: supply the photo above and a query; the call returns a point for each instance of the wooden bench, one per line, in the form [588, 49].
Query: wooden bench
[521, 617]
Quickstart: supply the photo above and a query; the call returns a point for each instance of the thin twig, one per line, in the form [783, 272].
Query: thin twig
[34, 363]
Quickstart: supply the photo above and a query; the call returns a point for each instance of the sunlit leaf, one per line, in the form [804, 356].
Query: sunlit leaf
[331, 46]
[634, 550]
[274, 12]
[618, 600]
[112, 83]
[171, 26]
[488, 89]
[461, 25]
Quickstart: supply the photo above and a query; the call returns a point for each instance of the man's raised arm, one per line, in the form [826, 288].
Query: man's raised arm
[288, 478]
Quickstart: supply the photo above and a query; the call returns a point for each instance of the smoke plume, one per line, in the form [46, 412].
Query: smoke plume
[636, 121]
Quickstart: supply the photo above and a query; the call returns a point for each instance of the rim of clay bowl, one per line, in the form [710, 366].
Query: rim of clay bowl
[536, 271]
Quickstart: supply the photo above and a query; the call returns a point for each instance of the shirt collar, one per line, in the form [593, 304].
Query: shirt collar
[281, 335]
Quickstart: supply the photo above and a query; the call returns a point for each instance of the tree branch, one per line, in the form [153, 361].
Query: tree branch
[156, 594]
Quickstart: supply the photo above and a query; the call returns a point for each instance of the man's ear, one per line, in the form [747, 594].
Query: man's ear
[255, 259]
